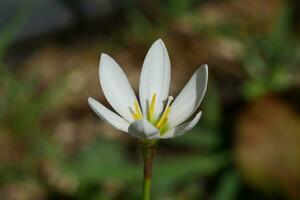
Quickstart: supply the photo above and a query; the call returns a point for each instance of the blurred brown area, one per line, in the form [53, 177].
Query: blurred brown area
[268, 146]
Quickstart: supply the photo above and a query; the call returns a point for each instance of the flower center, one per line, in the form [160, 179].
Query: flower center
[162, 122]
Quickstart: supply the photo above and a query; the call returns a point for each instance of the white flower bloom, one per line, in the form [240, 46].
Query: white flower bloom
[155, 116]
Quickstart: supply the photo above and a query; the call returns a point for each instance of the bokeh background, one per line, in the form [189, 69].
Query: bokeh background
[53, 147]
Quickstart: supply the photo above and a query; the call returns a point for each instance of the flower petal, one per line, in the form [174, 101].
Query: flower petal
[143, 129]
[183, 128]
[155, 78]
[189, 99]
[108, 116]
[116, 87]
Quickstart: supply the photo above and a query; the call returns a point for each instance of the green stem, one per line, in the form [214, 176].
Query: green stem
[148, 150]
[146, 189]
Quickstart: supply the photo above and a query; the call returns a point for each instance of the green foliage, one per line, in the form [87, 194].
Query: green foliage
[177, 8]
[8, 34]
[140, 26]
[271, 59]
[22, 107]
[228, 187]
[106, 161]
[14, 92]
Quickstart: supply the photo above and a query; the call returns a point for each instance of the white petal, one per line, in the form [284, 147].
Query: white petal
[116, 87]
[108, 116]
[155, 78]
[143, 129]
[183, 128]
[189, 99]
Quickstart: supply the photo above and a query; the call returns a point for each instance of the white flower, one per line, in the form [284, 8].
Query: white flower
[154, 116]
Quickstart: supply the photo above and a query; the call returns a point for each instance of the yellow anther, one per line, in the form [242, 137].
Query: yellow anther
[151, 108]
[137, 115]
[164, 118]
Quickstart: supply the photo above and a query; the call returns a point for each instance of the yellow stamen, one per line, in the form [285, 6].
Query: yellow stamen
[137, 115]
[151, 108]
[164, 118]
[161, 125]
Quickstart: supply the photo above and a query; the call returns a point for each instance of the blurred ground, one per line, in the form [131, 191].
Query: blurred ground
[246, 146]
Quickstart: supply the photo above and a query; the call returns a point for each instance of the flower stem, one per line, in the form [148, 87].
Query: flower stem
[146, 189]
[148, 150]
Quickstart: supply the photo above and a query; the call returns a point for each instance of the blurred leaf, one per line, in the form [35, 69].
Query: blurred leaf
[140, 26]
[254, 89]
[280, 34]
[9, 32]
[179, 7]
[198, 138]
[169, 170]
[228, 187]
[254, 64]
[280, 79]
[106, 161]
[102, 160]
[22, 98]
[211, 115]
[271, 58]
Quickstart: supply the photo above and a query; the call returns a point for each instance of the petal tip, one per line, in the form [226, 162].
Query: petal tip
[106, 62]
[159, 42]
[91, 101]
[104, 58]
[204, 67]
[199, 114]
[104, 55]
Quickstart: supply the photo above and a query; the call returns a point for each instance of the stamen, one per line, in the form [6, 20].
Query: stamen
[137, 115]
[164, 118]
[170, 99]
[151, 108]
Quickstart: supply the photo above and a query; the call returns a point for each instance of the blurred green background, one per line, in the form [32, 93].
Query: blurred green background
[246, 146]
